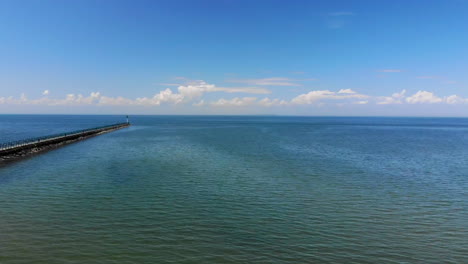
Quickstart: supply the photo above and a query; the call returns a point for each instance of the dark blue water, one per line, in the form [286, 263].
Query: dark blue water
[239, 190]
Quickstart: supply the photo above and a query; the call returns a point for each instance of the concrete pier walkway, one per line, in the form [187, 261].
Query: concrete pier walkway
[21, 148]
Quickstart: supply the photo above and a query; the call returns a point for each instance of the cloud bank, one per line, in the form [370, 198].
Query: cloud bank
[192, 94]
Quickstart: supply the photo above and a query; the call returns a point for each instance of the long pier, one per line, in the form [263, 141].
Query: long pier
[21, 148]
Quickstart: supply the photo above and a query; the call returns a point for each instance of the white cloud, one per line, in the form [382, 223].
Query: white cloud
[423, 97]
[165, 96]
[185, 93]
[396, 98]
[455, 99]
[249, 101]
[271, 102]
[361, 102]
[235, 101]
[314, 96]
[45, 92]
[194, 90]
[193, 94]
[70, 99]
[104, 100]
[23, 98]
[94, 96]
[10, 100]
[197, 88]
[200, 103]
[346, 91]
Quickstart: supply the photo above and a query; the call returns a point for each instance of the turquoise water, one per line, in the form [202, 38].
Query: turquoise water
[239, 190]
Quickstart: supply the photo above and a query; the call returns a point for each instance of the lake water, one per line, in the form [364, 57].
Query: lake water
[216, 189]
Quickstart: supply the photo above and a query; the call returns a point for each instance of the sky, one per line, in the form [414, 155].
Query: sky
[262, 57]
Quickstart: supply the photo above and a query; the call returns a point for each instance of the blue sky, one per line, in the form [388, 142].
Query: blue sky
[348, 57]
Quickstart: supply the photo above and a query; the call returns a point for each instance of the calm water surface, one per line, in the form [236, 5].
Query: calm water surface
[238, 190]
